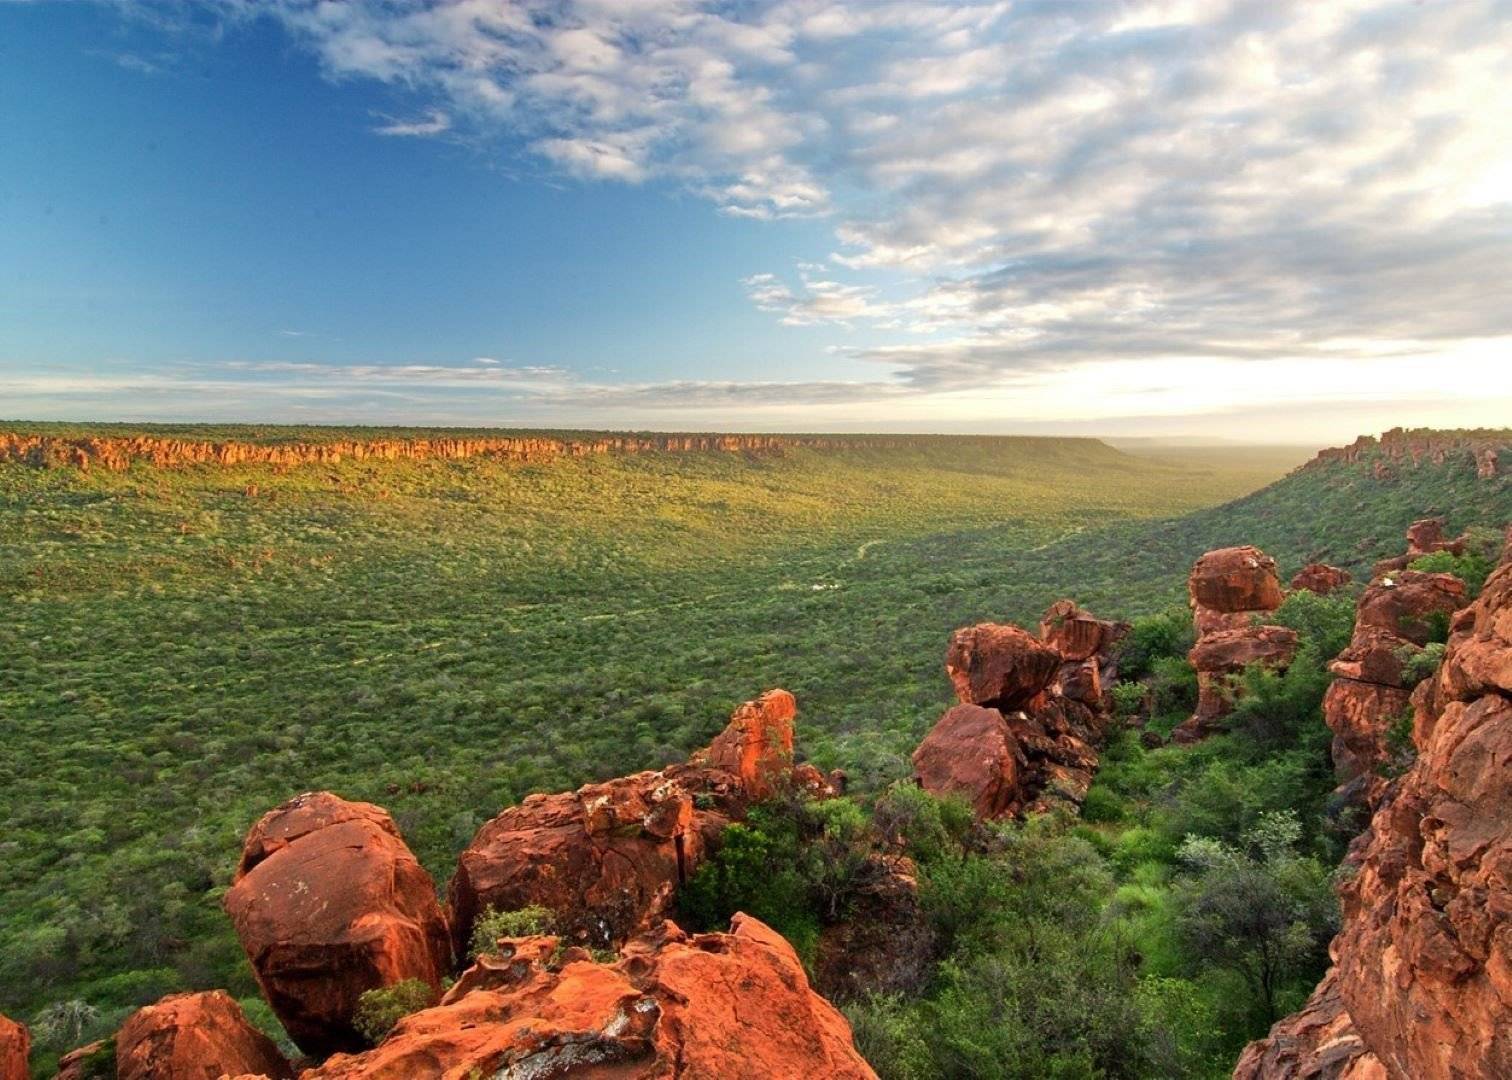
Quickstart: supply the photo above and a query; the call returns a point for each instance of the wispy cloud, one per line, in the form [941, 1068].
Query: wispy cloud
[434, 122]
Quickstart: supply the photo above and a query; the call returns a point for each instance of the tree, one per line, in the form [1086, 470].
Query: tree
[1259, 909]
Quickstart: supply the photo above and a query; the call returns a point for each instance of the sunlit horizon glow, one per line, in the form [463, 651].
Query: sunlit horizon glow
[1279, 222]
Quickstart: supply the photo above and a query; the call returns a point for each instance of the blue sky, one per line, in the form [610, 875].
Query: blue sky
[1261, 221]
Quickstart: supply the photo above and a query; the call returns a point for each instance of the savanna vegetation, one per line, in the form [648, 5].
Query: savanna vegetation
[185, 648]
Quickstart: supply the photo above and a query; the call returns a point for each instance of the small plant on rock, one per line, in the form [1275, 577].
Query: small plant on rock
[379, 1010]
[494, 924]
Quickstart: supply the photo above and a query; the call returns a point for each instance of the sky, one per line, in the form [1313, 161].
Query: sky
[1263, 221]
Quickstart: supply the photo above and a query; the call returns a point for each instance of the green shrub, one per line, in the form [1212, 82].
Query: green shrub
[1168, 634]
[926, 826]
[1472, 568]
[494, 924]
[1102, 805]
[379, 1010]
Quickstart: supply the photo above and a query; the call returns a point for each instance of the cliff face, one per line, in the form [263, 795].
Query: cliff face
[1487, 451]
[1422, 978]
[116, 454]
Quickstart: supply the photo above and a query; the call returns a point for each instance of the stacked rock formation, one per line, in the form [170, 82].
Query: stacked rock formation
[1031, 717]
[329, 902]
[1424, 537]
[1421, 987]
[15, 1049]
[1231, 591]
[734, 1005]
[607, 859]
[1396, 617]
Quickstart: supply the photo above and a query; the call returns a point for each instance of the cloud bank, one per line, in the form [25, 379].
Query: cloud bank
[1017, 189]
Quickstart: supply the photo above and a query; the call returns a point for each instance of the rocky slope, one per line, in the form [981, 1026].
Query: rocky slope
[1401, 448]
[1421, 987]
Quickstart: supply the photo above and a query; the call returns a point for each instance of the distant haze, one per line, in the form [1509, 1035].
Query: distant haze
[1283, 223]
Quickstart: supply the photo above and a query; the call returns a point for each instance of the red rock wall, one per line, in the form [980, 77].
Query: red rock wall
[116, 454]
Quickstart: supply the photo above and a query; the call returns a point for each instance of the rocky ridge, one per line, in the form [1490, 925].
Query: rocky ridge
[119, 453]
[1421, 986]
[1487, 451]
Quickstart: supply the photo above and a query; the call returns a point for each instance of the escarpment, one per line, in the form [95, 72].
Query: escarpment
[1421, 987]
[118, 454]
[1032, 714]
[1485, 452]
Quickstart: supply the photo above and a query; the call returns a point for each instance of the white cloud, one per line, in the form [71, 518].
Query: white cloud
[434, 122]
[1040, 186]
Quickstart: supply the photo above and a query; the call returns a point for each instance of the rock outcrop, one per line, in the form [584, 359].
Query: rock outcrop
[15, 1049]
[1221, 656]
[87, 1062]
[1231, 591]
[999, 666]
[1400, 448]
[607, 859]
[1423, 962]
[1231, 588]
[1320, 578]
[188, 1036]
[734, 1005]
[971, 752]
[1318, 1042]
[1397, 615]
[329, 902]
[1426, 536]
[757, 745]
[1032, 715]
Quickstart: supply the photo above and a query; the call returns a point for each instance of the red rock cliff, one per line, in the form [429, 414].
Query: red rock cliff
[1423, 965]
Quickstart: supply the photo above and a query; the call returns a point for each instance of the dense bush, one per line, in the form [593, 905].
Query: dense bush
[494, 924]
[380, 1009]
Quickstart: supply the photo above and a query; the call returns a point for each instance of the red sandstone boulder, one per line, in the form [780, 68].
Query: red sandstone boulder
[1317, 1043]
[330, 903]
[15, 1049]
[1320, 578]
[1235, 579]
[191, 1036]
[1377, 656]
[1409, 604]
[1360, 715]
[1427, 536]
[1220, 656]
[608, 858]
[757, 746]
[971, 752]
[86, 1062]
[735, 1006]
[1479, 658]
[1076, 634]
[999, 666]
